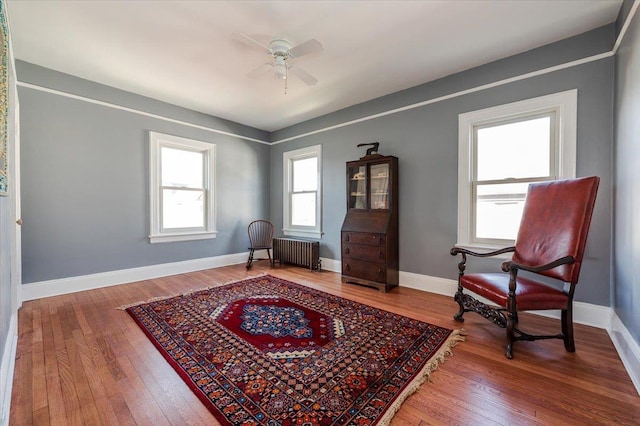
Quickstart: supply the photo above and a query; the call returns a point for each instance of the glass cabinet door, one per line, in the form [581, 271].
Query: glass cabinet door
[379, 186]
[357, 187]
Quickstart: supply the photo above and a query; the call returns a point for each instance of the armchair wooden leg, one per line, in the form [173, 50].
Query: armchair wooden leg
[510, 337]
[567, 329]
[512, 314]
[250, 258]
[459, 297]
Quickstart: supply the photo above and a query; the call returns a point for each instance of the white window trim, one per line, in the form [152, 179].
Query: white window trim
[288, 158]
[156, 142]
[566, 106]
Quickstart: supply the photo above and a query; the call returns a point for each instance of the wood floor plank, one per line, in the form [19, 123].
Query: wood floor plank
[73, 410]
[21, 404]
[80, 360]
[54, 392]
[77, 350]
[38, 379]
[121, 409]
[143, 406]
[95, 387]
[25, 329]
[105, 366]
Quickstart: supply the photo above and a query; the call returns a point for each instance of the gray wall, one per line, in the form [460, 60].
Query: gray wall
[425, 140]
[626, 292]
[85, 198]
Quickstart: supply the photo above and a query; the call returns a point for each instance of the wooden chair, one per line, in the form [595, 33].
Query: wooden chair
[260, 238]
[550, 242]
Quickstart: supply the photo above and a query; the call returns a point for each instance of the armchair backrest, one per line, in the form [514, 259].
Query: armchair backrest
[260, 233]
[555, 223]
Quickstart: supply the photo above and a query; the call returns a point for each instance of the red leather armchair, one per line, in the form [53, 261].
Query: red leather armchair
[550, 242]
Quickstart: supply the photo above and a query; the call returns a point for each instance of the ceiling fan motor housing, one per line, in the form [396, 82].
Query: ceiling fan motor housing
[280, 47]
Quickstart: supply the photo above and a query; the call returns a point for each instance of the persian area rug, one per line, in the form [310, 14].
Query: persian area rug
[266, 351]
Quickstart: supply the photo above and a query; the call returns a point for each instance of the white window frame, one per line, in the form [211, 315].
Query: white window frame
[157, 234]
[565, 106]
[288, 158]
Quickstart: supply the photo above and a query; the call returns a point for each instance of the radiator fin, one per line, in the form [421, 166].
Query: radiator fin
[297, 252]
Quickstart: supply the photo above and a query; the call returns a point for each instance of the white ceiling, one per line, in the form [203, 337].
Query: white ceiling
[183, 52]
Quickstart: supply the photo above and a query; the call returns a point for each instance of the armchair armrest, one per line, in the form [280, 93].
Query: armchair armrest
[460, 250]
[511, 265]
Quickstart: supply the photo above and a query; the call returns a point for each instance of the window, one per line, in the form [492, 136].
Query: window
[302, 192]
[181, 189]
[501, 151]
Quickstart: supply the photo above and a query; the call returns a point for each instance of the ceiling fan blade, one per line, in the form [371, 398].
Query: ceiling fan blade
[306, 48]
[261, 70]
[303, 75]
[250, 41]
[263, 39]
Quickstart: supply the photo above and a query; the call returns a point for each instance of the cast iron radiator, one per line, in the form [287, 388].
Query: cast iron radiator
[297, 252]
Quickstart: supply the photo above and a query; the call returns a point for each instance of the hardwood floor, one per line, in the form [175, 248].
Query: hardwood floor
[82, 361]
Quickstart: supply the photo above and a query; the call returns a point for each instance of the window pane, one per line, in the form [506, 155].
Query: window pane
[514, 150]
[499, 209]
[182, 209]
[303, 209]
[182, 168]
[305, 174]
[380, 186]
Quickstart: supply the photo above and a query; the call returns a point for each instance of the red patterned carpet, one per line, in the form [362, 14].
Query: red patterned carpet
[266, 351]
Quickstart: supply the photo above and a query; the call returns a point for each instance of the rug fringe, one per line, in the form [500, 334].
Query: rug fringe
[188, 292]
[434, 362]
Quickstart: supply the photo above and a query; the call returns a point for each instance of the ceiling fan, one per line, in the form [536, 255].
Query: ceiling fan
[282, 53]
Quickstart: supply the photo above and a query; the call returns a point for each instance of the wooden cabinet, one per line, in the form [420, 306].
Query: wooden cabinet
[370, 228]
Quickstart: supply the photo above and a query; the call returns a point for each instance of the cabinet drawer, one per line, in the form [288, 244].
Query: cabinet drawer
[365, 270]
[363, 238]
[364, 252]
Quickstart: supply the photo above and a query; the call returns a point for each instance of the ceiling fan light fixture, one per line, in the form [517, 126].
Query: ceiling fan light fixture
[280, 68]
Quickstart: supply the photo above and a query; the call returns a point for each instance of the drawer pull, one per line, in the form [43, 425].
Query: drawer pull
[380, 255]
[347, 267]
[346, 237]
[380, 272]
[346, 251]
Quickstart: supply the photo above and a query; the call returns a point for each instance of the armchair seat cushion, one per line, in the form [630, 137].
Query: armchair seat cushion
[530, 294]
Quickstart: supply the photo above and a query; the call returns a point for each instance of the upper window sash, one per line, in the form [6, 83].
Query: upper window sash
[553, 165]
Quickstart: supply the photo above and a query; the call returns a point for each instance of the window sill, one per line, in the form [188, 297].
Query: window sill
[191, 236]
[301, 233]
[484, 248]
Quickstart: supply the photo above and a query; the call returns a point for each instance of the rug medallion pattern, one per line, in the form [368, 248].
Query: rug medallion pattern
[266, 351]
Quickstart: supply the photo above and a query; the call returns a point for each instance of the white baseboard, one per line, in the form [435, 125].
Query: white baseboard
[57, 287]
[7, 368]
[436, 285]
[331, 265]
[627, 347]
